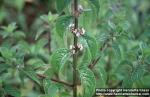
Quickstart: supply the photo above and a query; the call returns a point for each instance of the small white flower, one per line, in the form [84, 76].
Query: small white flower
[77, 34]
[71, 47]
[73, 51]
[80, 46]
[71, 25]
[80, 8]
[75, 31]
[82, 31]
[114, 38]
[18, 66]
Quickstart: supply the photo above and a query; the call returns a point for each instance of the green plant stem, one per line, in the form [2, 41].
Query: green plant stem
[75, 55]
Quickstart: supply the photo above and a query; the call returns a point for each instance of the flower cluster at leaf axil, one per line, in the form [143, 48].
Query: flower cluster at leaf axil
[78, 32]
[73, 48]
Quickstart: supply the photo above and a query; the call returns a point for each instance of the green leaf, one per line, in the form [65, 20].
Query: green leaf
[138, 72]
[40, 31]
[3, 67]
[65, 94]
[12, 91]
[19, 34]
[123, 72]
[6, 52]
[85, 61]
[50, 89]
[29, 72]
[38, 47]
[125, 26]
[124, 69]
[102, 37]
[102, 75]
[91, 44]
[36, 62]
[61, 5]
[127, 83]
[46, 84]
[133, 76]
[118, 50]
[22, 77]
[96, 4]
[41, 43]
[49, 72]
[61, 24]
[44, 96]
[24, 46]
[146, 81]
[49, 18]
[3, 14]
[10, 28]
[19, 4]
[2, 93]
[59, 58]
[88, 81]
[112, 25]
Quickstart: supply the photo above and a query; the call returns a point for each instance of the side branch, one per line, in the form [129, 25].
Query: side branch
[55, 80]
[102, 49]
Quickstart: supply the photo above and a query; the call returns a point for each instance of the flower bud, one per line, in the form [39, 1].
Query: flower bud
[71, 47]
[82, 32]
[78, 34]
[75, 31]
[80, 9]
[71, 25]
[80, 47]
[73, 51]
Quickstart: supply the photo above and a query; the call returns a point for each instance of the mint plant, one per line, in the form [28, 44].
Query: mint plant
[68, 48]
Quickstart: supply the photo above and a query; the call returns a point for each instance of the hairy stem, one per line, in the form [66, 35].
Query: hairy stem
[75, 55]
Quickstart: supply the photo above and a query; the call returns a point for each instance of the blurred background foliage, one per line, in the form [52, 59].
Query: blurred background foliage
[30, 30]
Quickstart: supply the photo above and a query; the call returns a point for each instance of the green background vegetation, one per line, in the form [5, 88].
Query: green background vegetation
[34, 47]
